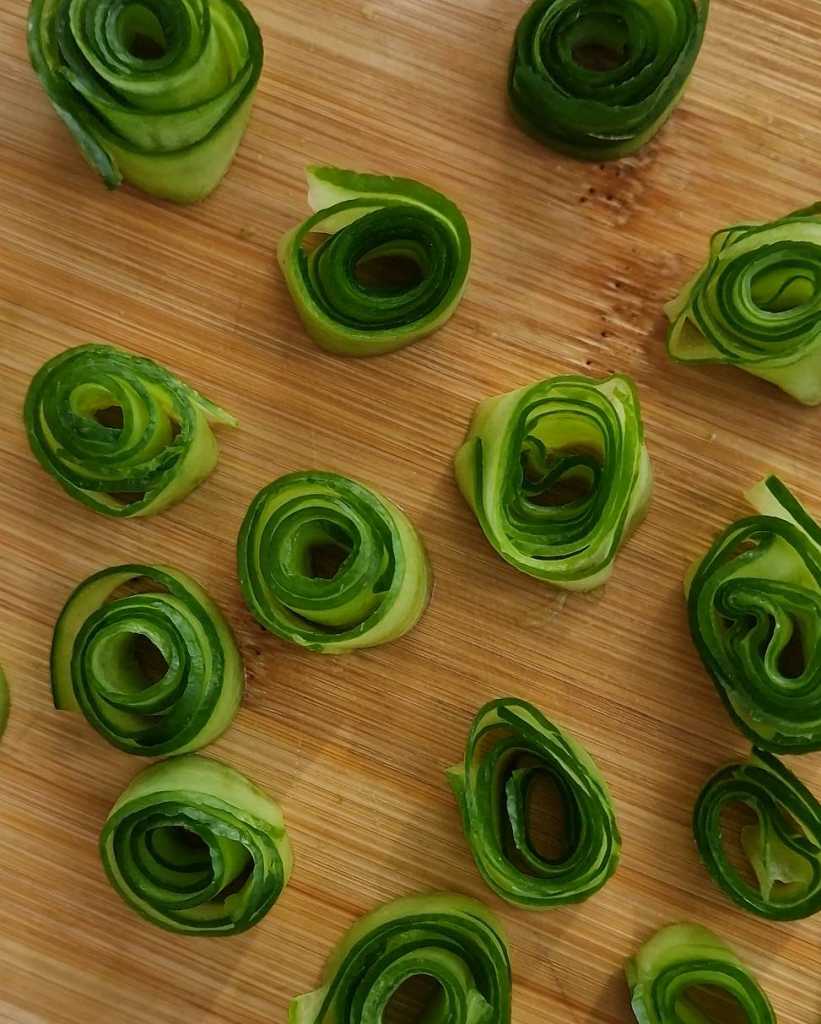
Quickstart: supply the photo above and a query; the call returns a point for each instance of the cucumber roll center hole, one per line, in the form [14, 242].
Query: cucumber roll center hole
[147, 659]
[187, 845]
[599, 56]
[321, 548]
[325, 560]
[738, 823]
[144, 47]
[142, 33]
[412, 1000]
[600, 42]
[560, 476]
[547, 825]
[111, 417]
[567, 490]
[792, 661]
[710, 1004]
[388, 272]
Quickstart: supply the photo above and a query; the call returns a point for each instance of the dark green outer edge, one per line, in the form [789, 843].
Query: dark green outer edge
[374, 942]
[620, 144]
[548, 575]
[244, 821]
[552, 898]
[183, 393]
[722, 684]
[684, 951]
[398, 192]
[90, 132]
[721, 240]
[311, 638]
[195, 725]
[709, 843]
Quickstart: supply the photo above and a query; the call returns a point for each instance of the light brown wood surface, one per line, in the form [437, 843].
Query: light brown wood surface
[572, 264]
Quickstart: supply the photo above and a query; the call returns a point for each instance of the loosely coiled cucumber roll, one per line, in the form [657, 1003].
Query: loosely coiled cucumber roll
[598, 79]
[196, 848]
[390, 265]
[155, 92]
[455, 941]
[783, 846]
[558, 476]
[331, 565]
[754, 605]
[119, 432]
[510, 747]
[673, 968]
[154, 669]
[756, 304]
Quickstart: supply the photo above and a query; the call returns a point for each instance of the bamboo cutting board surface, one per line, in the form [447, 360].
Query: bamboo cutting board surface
[572, 264]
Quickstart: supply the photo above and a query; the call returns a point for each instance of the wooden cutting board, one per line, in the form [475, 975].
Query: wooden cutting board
[572, 265]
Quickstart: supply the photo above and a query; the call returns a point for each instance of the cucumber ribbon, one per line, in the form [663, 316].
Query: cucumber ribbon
[155, 92]
[119, 432]
[597, 78]
[329, 564]
[669, 969]
[558, 476]
[364, 221]
[783, 846]
[194, 847]
[754, 604]
[510, 745]
[756, 304]
[451, 939]
[191, 696]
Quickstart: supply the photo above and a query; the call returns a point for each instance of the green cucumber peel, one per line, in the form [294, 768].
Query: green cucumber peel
[376, 591]
[195, 848]
[94, 669]
[157, 94]
[510, 744]
[361, 218]
[783, 845]
[522, 448]
[602, 111]
[454, 940]
[756, 304]
[681, 958]
[162, 450]
[754, 610]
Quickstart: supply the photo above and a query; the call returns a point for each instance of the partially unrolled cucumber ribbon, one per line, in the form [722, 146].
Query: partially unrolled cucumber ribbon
[511, 746]
[381, 263]
[196, 848]
[755, 617]
[331, 565]
[756, 304]
[558, 476]
[455, 941]
[683, 964]
[155, 92]
[598, 78]
[119, 432]
[145, 654]
[783, 846]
